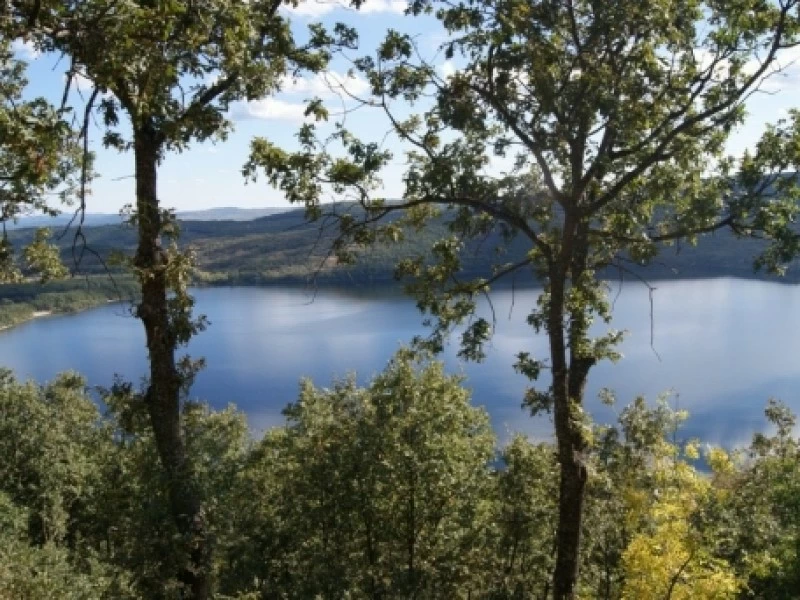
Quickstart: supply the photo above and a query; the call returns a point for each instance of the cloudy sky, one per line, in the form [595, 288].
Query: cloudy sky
[209, 175]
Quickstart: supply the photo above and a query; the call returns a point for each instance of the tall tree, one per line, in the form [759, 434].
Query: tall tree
[173, 69]
[611, 119]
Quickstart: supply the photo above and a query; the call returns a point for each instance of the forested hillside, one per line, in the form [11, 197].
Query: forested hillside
[287, 248]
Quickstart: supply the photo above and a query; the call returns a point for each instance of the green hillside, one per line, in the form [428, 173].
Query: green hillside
[285, 248]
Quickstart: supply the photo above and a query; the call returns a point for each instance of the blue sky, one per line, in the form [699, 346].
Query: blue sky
[209, 175]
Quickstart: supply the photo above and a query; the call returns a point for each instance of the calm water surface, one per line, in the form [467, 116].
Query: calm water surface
[724, 346]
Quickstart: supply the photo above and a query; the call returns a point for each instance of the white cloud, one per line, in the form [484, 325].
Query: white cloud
[81, 83]
[268, 108]
[317, 8]
[447, 69]
[325, 84]
[24, 50]
[783, 74]
[390, 6]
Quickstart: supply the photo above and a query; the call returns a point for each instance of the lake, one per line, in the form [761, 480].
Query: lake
[723, 345]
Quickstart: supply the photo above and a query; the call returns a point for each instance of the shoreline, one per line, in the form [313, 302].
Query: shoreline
[394, 286]
[37, 314]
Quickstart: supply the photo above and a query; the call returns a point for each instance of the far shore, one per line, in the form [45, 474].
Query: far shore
[395, 287]
[34, 315]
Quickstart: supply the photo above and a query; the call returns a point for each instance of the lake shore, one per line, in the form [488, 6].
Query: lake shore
[14, 313]
[37, 314]
[25, 301]
[724, 345]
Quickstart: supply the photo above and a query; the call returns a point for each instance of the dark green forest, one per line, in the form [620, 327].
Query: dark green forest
[567, 142]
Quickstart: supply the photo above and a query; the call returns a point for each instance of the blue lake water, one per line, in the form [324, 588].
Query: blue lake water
[723, 345]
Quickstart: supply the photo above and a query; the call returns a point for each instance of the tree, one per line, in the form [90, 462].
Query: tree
[611, 119]
[53, 453]
[172, 68]
[84, 512]
[520, 558]
[39, 156]
[649, 492]
[758, 514]
[50, 444]
[376, 492]
[29, 570]
[132, 523]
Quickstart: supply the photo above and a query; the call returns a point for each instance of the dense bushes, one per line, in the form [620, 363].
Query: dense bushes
[395, 490]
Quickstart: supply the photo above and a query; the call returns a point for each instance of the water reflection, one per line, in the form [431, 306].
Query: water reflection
[725, 346]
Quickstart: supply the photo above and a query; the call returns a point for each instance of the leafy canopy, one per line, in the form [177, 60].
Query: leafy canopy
[176, 67]
[39, 159]
[595, 132]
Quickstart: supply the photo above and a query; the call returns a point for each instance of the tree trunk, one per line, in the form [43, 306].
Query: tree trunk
[569, 380]
[163, 392]
[568, 535]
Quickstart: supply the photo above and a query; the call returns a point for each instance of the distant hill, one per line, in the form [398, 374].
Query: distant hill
[284, 248]
[62, 220]
[227, 213]
[230, 213]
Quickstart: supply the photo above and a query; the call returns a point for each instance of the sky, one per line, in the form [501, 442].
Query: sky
[209, 175]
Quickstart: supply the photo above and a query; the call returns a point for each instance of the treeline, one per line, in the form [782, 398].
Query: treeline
[396, 490]
[286, 248]
[19, 302]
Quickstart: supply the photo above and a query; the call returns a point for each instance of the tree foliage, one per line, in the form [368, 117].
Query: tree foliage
[39, 158]
[53, 449]
[593, 131]
[393, 490]
[172, 70]
[609, 123]
[376, 492]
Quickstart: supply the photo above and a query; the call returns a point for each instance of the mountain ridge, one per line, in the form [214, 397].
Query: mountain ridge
[219, 213]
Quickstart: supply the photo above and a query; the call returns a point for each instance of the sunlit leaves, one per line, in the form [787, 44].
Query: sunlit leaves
[382, 490]
[44, 258]
[38, 149]
[39, 159]
[9, 271]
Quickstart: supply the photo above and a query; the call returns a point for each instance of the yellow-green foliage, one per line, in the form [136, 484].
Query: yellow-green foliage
[668, 558]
